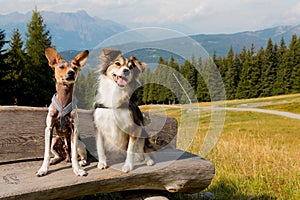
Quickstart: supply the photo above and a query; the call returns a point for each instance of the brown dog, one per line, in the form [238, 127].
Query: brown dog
[62, 117]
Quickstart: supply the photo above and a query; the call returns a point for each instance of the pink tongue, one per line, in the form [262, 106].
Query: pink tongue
[121, 82]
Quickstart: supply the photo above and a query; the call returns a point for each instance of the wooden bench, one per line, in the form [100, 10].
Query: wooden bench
[22, 149]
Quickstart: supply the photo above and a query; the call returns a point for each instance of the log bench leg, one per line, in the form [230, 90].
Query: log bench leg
[137, 195]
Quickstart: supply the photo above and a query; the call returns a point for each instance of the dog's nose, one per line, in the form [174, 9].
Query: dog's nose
[126, 71]
[71, 74]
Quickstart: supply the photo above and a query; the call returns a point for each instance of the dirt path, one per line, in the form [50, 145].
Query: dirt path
[243, 109]
[274, 112]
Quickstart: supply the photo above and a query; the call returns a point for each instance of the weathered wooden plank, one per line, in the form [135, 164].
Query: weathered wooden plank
[175, 171]
[22, 132]
[22, 138]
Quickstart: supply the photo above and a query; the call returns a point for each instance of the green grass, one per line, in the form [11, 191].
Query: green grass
[256, 156]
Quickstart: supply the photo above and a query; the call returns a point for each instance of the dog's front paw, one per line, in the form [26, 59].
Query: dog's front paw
[127, 167]
[102, 165]
[149, 162]
[82, 163]
[41, 172]
[80, 172]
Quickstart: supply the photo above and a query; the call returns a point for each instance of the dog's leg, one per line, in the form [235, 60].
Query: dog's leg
[74, 143]
[129, 162]
[100, 150]
[140, 152]
[81, 149]
[48, 134]
[57, 157]
[148, 160]
[66, 147]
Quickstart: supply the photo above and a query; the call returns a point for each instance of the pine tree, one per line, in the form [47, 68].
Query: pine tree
[213, 80]
[3, 69]
[202, 92]
[86, 89]
[295, 74]
[281, 77]
[173, 92]
[244, 84]
[80, 91]
[145, 81]
[39, 76]
[269, 69]
[231, 75]
[289, 62]
[162, 91]
[189, 72]
[16, 61]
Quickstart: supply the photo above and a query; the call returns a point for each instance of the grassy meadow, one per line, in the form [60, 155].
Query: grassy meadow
[256, 155]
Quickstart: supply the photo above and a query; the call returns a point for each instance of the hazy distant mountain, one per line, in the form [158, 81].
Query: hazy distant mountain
[218, 42]
[78, 31]
[69, 31]
[221, 42]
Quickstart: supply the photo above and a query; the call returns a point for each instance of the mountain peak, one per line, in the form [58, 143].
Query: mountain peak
[69, 30]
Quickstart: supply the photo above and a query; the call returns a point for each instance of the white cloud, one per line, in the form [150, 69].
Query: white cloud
[201, 15]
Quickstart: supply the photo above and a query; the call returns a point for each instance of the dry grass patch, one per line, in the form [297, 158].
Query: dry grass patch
[256, 157]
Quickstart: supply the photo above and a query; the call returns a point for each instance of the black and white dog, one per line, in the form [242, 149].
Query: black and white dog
[117, 119]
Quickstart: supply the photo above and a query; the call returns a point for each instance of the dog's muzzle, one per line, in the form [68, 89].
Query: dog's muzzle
[122, 80]
[70, 76]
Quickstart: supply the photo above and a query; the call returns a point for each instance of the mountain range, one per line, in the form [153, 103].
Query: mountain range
[78, 31]
[69, 31]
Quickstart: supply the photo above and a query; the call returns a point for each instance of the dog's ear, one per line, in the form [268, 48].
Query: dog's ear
[108, 56]
[52, 56]
[140, 65]
[81, 58]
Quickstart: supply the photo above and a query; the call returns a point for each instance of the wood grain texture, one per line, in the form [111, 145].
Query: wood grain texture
[22, 132]
[22, 143]
[175, 171]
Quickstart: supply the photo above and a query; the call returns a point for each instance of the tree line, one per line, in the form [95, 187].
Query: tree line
[269, 71]
[26, 78]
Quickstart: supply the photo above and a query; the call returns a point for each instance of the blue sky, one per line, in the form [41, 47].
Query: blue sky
[187, 16]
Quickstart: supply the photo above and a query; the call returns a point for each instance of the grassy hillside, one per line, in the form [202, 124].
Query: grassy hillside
[256, 156]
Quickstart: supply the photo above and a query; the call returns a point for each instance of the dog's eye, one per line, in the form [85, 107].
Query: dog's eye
[75, 68]
[130, 65]
[61, 66]
[118, 63]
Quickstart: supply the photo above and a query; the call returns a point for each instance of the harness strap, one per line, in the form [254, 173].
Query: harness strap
[63, 110]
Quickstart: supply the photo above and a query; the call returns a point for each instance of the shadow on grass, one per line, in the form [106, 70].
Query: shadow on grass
[226, 190]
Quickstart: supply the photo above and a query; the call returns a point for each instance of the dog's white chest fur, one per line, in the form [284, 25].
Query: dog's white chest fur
[115, 123]
[116, 126]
